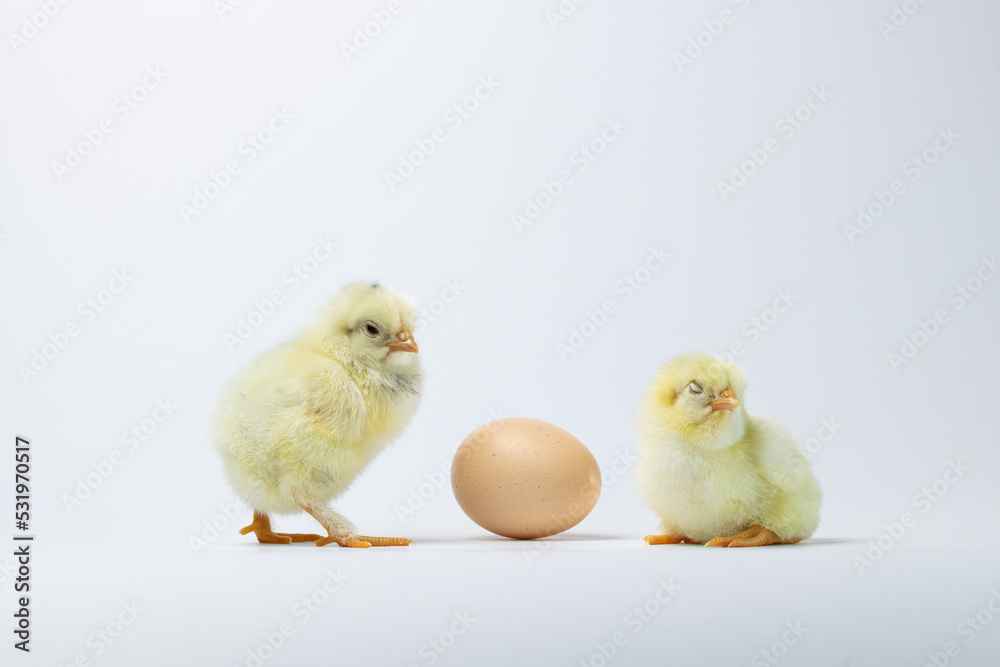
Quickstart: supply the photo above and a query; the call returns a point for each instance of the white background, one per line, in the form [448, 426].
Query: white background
[144, 533]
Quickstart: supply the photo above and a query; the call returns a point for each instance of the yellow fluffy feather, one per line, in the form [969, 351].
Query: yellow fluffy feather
[300, 422]
[713, 473]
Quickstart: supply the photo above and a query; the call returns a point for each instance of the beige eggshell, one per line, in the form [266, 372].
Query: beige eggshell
[525, 478]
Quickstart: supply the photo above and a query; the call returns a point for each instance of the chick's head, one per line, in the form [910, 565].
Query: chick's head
[698, 397]
[370, 324]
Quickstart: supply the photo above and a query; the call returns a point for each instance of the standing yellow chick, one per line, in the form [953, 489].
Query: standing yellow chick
[713, 473]
[298, 424]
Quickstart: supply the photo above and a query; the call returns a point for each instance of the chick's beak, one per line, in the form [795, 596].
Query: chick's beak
[726, 401]
[404, 342]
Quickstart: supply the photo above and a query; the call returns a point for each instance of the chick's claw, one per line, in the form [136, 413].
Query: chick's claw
[344, 541]
[364, 541]
[667, 539]
[754, 536]
[386, 541]
[266, 537]
[261, 527]
[300, 537]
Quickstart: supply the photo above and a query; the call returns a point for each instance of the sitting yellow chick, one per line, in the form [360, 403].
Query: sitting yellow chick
[713, 473]
[300, 422]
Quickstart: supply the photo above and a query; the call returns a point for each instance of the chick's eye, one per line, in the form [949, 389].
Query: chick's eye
[694, 388]
[371, 329]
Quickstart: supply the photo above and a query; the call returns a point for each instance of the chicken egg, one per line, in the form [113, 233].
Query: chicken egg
[525, 478]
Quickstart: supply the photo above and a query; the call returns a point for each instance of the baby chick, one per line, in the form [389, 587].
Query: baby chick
[300, 422]
[713, 473]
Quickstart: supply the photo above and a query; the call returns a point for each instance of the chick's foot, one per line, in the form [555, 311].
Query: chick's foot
[342, 532]
[754, 536]
[364, 541]
[668, 539]
[344, 541]
[386, 541]
[261, 527]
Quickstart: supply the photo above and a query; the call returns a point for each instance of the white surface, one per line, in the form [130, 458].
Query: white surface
[493, 350]
[729, 604]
